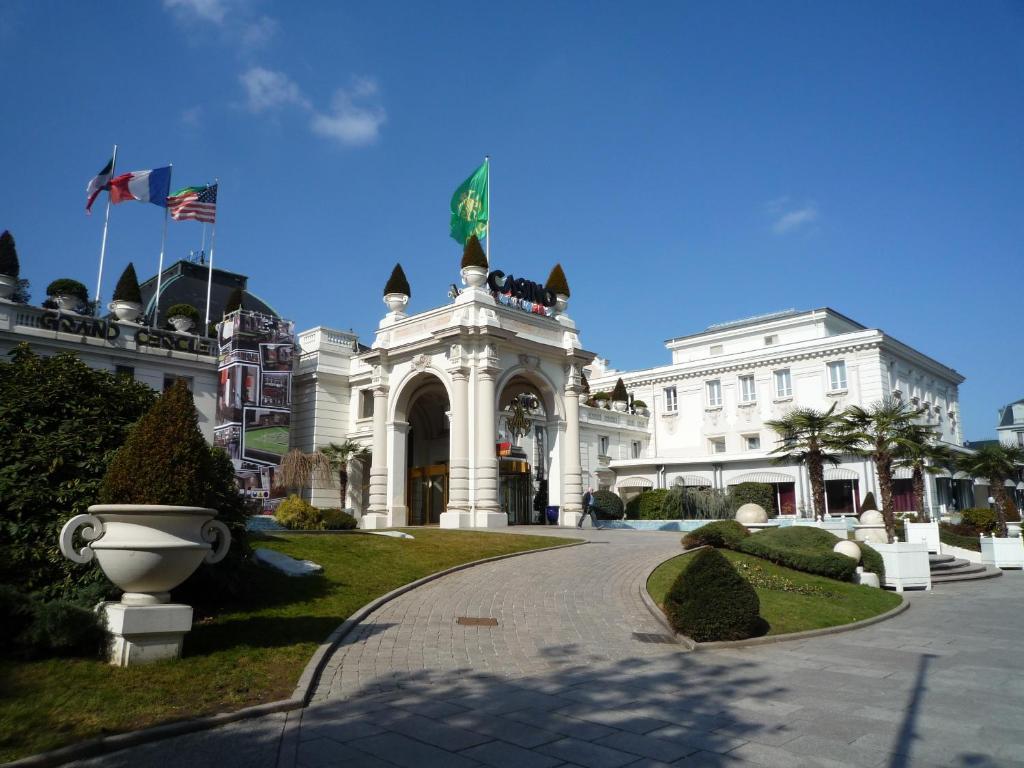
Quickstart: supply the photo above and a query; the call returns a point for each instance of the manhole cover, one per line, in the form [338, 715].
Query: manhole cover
[476, 621]
[651, 637]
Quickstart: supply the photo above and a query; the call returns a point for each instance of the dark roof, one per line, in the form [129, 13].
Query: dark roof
[1006, 414]
[184, 282]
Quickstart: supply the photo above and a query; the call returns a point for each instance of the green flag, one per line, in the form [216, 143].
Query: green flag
[469, 207]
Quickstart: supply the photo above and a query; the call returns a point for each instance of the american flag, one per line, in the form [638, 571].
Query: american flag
[199, 203]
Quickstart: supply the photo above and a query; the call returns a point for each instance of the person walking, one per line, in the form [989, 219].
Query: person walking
[588, 498]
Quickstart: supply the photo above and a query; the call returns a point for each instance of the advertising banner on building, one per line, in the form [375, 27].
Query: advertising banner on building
[254, 397]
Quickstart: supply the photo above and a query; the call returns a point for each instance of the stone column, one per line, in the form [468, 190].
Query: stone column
[458, 513]
[572, 489]
[486, 513]
[377, 513]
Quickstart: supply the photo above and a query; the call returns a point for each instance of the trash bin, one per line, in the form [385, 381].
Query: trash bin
[552, 515]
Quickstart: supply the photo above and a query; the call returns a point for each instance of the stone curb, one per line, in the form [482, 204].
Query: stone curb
[300, 698]
[692, 645]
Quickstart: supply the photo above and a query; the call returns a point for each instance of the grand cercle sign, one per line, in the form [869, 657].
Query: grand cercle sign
[520, 293]
[98, 328]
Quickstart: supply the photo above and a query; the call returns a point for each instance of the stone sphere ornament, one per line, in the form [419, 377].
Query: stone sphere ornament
[751, 514]
[848, 548]
[871, 517]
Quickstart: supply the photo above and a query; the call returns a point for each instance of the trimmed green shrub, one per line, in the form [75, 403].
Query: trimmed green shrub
[473, 254]
[298, 514]
[954, 536]
[335, 519]
[981, 520]
[871, 560]
[557, 283]
[607, 505]
[68, 287]
[721, 533]
[16, 609]
[619, 393]
[762, 494]
[61, 628]
[165, 459]
[127, 288]
[183, 310]
[9, 264]
[710, 601]
[639, 404]
[801, 548]
[869, 503]
[646, 506]
[397, 283]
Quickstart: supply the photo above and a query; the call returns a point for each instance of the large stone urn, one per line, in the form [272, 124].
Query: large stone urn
[126, 311]
[68, 303]
[474, 277]
[147, 550]
[396, 302]
[181, 323]
[7, 285]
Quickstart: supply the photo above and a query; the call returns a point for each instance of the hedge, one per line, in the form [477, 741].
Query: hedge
[710, 601]
[606, 505]
[802, 549]
[647, 506]
[721, 533]
[762, 494]
[949, 534]
[335, 519]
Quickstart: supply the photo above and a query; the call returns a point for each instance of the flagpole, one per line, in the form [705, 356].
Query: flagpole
[163, 243]
[209, 274]
[103, 245]
[487, 162]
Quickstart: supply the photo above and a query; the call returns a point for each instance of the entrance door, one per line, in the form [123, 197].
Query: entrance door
[428, 494]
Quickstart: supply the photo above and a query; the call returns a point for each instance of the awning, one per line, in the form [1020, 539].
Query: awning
[1009, 484]
[902, 473]
[634, 482]
[762, 477]
[961, 476]
[1020, 485]
[840, 473]
[692, 481]
[943, 473]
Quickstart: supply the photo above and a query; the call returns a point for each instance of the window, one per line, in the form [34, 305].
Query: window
[717, 444]
[753, 442]
[716, 349]
[783, 383]
[748, 394]
[671, 401]
[124, 370]
[365, 404]
[770, 340]
[837, 375]
[602, 445]
[635, 449]
[1020, 439]
[714, 390]
[170, 379]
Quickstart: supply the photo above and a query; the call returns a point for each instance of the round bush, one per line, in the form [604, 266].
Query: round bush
[299, 515]
[335, 519]
[981, 520]
[68, 287]
[647, 506]
[607, 505]
[183, 310]
[710, 601]
[727, 534]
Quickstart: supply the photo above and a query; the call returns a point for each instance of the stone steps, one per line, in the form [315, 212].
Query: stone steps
[947, 569]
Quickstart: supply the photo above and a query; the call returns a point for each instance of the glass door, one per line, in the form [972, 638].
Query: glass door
[428, 494]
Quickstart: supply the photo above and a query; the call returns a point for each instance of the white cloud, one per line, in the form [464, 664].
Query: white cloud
[255, 34]
[266, 89]
[788, 216]
[208, 10]
[351, 122]
[192, 116]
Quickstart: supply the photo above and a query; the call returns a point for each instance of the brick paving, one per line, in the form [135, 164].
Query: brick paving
[563, 681]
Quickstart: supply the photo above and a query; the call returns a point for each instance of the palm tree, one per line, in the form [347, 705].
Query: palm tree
[998, 463]
[807, 437]
[881, 432]
[922, 454]
[338, 456]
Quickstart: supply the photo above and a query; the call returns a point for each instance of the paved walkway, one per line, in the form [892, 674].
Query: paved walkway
[563, 680]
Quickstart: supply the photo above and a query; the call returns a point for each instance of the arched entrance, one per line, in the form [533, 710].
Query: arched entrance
[427, 443]
[526, 432]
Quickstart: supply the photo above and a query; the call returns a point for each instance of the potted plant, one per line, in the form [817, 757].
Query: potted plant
[153, 527]
[559, 286]
[397, 291]
[641, 408]
[474, 264]
[127, 303]
[69, 295]
[183, 317]
[997, 463]
[601, 399]
[620, 398]
[9, 266]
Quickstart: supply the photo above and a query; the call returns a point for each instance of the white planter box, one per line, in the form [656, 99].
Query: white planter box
[906, 564]
[1002, 553]
[926, 532]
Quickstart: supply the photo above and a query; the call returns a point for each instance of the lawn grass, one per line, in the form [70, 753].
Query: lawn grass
[832, 604]
[246, 654]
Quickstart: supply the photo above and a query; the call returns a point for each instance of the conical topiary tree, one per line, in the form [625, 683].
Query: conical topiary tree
[585, 385]
[473, 255]
[869, 503]
[128, 286]
[165, 459]
[397, 283]
[9, 264]
[710, 601]
[619, 393]
[557, 283]
[235, 300]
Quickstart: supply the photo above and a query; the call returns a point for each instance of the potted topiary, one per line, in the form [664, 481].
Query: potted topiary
[474, 264]
[153, 528]
[9, 266]
[183, 317]
[397, 291]
[559, 286]
[127, 303]
[620, 398]
[69, 295]
[641, 408]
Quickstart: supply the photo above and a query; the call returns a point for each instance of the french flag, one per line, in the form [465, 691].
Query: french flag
[152, 186]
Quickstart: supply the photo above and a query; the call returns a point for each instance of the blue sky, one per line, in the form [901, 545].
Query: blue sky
[687, 163]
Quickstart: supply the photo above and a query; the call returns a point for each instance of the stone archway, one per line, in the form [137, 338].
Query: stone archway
[420, 437]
